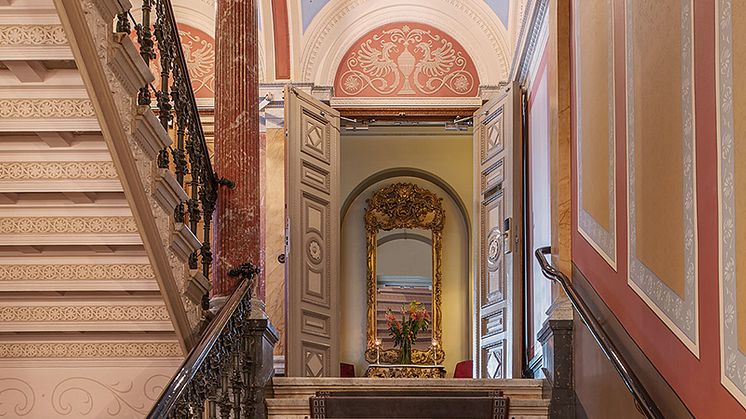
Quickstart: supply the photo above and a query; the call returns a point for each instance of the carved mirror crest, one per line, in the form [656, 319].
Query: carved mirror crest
[419, 213]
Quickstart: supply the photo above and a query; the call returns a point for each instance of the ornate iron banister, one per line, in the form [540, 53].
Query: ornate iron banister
[177, 110]
[216, 377]
[644, 402]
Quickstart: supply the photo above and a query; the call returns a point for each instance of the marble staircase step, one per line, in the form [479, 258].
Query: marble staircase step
[291, 394]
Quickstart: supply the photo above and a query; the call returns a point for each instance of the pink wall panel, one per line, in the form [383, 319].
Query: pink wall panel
[696, 380]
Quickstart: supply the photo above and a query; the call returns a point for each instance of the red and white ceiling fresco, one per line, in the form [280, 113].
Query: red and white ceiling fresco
[406, 59]
[199, 51]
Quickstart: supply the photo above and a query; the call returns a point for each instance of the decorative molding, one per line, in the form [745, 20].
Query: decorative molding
[32, 35]
[184, 242]
[90, 350]
[46, 108]
[21, 387]
[197, 286]
[76, 272]
[601, 239]
[84, 313]
[332, 32]
[58, 170]
[149, 133]
[125, 61]
[168, 193]
[109, 9]
[62, 225]
[414, 103]
[533, 21]
[732, 360]
[406, 59]
[680, 315]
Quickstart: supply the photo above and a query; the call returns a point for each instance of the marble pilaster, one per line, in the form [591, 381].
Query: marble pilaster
[237, 144]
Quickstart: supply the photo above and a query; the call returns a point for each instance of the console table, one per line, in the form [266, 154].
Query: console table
[405, 371]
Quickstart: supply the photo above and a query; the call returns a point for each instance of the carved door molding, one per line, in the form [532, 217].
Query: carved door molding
[498, 188]
[312, 240]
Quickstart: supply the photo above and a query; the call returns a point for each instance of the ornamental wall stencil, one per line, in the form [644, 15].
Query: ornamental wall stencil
[404, 60]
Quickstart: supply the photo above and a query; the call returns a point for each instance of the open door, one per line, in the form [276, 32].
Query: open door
[312, 236]
[498, 163]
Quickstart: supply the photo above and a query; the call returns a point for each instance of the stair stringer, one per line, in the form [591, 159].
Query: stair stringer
[110, 73]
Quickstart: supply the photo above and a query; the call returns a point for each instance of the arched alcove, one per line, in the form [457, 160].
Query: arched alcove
[456, 267]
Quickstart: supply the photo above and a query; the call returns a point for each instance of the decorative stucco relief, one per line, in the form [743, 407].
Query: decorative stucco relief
[86, 392]
[35, 225]
[75, 272]
[406, 59]
[46, 108]
[33, 35]
[90, 350]
[84, 313]
[57, 170]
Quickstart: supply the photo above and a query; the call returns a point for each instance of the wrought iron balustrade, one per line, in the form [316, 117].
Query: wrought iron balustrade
[217, 378]
[188, 158]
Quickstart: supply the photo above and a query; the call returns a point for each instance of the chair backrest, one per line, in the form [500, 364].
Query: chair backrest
[464, 370]
[346, 370]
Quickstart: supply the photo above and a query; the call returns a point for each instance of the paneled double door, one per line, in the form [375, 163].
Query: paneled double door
[312, 195]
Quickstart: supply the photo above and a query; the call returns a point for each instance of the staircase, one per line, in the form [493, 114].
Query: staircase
[98, 304]
[292, 394]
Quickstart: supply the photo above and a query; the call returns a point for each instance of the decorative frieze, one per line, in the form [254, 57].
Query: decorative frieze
[35, 225]
[46, 108]
[35, 35]
[76, 272]
[90, 350]
[58, 170]
[83, 313]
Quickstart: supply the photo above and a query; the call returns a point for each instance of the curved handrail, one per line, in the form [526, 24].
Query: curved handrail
[642, 399]
[220, 325]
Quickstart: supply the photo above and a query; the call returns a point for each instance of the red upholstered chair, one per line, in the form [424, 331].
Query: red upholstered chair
[464, 370]
[346, 370]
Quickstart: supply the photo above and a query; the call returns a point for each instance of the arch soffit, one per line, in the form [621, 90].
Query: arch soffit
[407, 172]
[341, 23]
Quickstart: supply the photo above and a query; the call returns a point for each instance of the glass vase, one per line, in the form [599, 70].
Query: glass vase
[406, 353]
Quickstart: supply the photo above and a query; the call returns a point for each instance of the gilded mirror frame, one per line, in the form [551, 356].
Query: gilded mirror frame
[404, 205]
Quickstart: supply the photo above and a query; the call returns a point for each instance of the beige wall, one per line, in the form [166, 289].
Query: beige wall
[273, 195]
[447, 157]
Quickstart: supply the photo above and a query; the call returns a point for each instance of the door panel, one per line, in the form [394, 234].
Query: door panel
[498, 163]
[312, 242]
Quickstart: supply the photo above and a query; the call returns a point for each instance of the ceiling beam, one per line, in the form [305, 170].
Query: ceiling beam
[81, 197]
[27, 71]
[101, 248]
[8, 198]
[56, 139]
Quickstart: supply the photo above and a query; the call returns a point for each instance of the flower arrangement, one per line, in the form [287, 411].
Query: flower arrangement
[414, 318]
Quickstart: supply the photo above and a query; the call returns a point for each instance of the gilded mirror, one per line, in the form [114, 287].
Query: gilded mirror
[403, 219]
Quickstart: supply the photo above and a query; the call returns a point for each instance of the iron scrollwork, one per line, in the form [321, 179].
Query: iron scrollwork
[176, 106]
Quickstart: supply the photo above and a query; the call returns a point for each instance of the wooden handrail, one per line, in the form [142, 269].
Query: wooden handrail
[643, 401]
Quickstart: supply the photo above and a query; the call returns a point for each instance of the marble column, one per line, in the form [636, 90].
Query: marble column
[237, 145]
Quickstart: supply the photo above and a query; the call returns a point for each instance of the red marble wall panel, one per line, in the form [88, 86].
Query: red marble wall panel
[406, 59]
